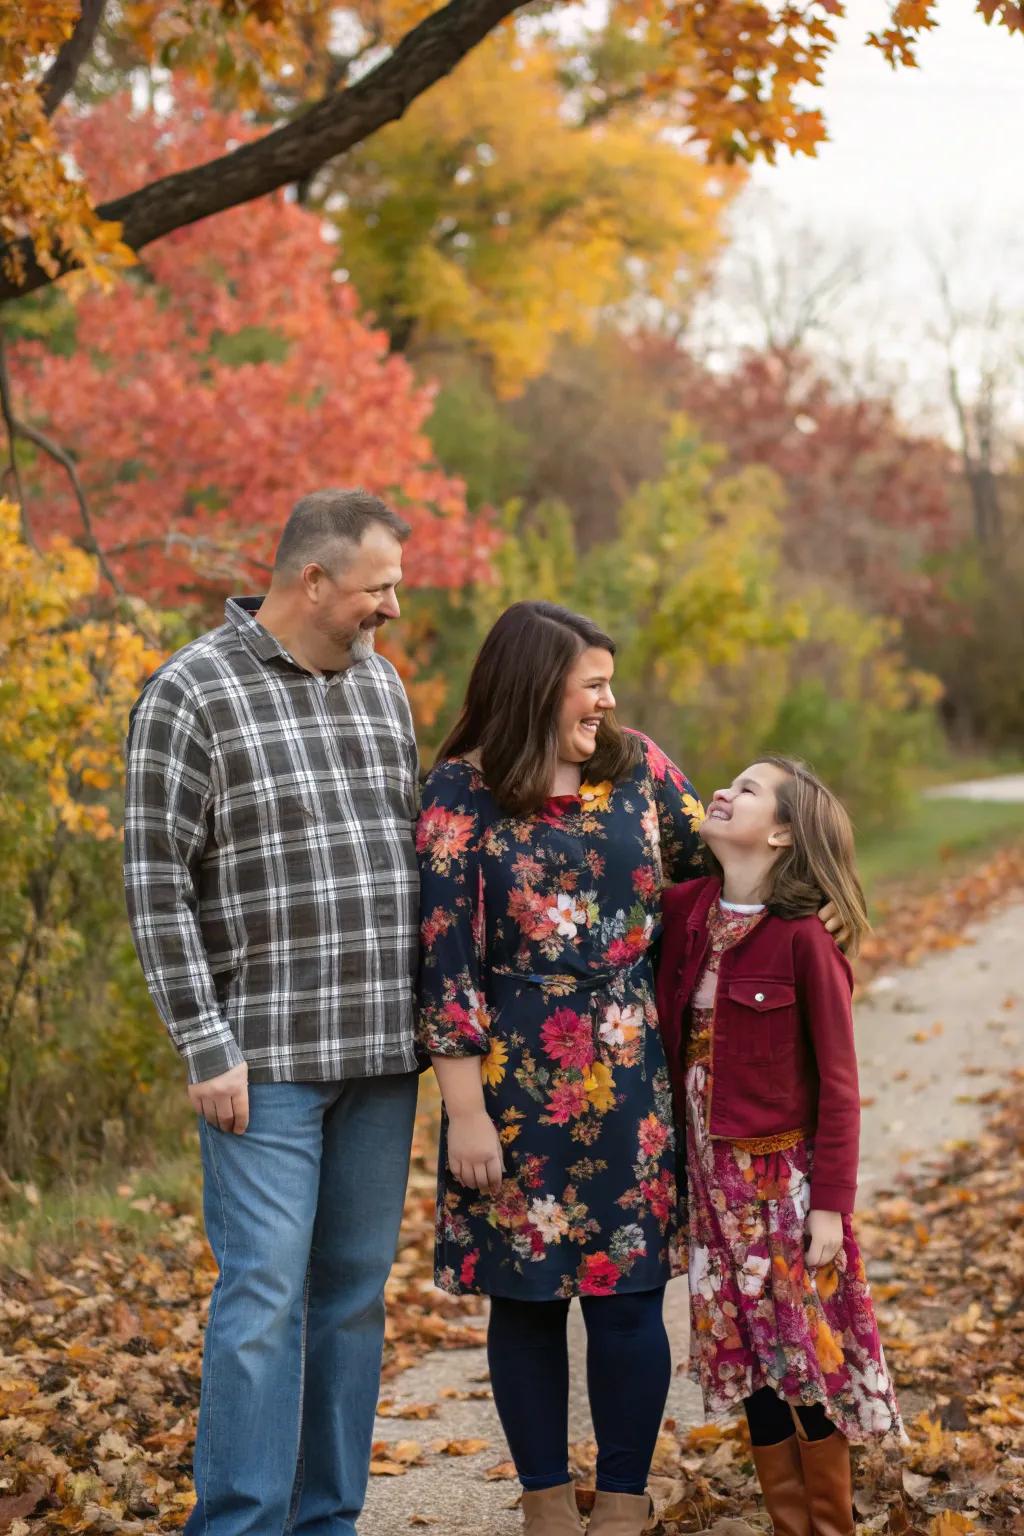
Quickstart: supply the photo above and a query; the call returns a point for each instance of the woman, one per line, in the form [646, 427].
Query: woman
[546, 837]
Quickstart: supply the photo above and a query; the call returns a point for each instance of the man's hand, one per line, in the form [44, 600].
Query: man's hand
[824, 1238]
[474, 1152]
[829, 915]
[223, 1101]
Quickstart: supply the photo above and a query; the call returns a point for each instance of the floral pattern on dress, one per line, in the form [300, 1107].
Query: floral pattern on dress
[759, 1316]
[536, 956]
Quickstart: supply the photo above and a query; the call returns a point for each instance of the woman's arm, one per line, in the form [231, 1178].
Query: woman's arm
[680, 814]
[453, 1023]
[474, 1147]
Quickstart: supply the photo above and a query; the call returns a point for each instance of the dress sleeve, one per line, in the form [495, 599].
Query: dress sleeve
[453, 1019]
[680, 814]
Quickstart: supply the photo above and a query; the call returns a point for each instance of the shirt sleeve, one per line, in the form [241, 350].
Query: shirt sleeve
[680, 814]
[167, 798]
[826, 987]
[453, 1019]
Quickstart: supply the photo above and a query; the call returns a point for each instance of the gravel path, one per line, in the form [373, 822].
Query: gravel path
[933, 1040]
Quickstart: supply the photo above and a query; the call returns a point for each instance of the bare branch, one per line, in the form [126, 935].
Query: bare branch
[63, 72]
[67, 463]
[195, 545]
[12, 472]
[294, 151]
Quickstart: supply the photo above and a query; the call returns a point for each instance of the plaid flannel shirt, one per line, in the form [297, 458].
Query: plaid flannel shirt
[270, 864]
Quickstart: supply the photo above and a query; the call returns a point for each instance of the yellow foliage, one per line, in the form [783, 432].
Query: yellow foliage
[488, 215]
[42, 199]
[66, 684]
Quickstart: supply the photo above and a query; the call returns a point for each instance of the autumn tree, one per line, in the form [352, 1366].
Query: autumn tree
[459, 229]
[68, 673]
[218, 384]
[731, 74]
[869, 504]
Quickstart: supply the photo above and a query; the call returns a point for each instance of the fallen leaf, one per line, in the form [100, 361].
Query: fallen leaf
[460, 1447]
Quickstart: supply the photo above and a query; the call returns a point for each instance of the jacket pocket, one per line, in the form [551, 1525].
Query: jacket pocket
[763, 1022]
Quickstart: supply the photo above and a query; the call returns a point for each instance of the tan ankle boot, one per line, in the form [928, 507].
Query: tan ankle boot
[829, 1484]
[780, 1473]
[551, 1512]
[621, 1514]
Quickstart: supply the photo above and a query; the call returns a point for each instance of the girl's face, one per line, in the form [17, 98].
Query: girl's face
[745, 817]
[587, 697]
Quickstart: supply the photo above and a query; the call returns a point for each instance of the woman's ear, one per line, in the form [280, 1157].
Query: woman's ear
[783, 838]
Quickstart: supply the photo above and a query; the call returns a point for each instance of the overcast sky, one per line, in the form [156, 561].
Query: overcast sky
[919, 161]
[910, 148]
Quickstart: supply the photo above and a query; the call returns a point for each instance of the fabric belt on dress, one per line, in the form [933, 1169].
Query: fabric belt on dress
[588, 982]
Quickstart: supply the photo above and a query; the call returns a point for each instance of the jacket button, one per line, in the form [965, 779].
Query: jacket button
[758, 997]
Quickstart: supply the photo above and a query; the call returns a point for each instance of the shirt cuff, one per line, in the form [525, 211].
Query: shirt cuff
[206, 1058]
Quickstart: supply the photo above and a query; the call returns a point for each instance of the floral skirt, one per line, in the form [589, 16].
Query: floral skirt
[759, 1317]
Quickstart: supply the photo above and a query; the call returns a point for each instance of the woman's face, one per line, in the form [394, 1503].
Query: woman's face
[746, 816]
[587, 697]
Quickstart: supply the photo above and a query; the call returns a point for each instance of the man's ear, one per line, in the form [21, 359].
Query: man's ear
[313, 577]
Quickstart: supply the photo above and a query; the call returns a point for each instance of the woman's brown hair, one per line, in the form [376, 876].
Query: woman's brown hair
[510, 714]
[821, 863]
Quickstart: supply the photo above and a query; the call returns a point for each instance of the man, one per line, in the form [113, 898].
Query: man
[271, 881]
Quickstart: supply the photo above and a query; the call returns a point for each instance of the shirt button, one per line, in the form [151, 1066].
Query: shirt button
[758, 997]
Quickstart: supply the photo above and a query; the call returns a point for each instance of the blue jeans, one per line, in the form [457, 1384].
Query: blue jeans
[302, 1214]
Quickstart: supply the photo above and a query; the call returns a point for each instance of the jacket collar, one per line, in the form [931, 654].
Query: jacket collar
[702, 906]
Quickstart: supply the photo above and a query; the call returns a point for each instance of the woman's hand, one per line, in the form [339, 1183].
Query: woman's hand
[824, 1238]
[474, 1151]
[829, 915]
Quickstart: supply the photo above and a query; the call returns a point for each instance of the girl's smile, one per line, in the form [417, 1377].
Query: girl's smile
[746, 814]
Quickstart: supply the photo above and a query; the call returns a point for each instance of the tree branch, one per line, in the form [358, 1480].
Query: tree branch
[63, 72]
[293, 152]
[12, 471]
[67, 463]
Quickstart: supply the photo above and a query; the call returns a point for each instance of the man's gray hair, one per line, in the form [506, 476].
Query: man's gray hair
[324, 518]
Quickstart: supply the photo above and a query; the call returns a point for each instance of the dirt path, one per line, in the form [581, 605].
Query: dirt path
[933, 1040]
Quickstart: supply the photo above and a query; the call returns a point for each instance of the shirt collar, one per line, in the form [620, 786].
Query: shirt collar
[241, 613]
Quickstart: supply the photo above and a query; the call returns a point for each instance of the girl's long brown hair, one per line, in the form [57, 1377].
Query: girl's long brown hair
[510, 714]
[821, 863]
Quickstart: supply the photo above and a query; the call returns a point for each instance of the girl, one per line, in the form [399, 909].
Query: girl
[754, 999]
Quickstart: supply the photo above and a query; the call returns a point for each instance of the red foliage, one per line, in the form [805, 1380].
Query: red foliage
[191, 459]
[867, 501]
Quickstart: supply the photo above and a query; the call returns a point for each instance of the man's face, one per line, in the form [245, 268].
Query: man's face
[351, 600]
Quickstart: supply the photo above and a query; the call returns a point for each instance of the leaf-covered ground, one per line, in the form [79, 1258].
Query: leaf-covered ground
[100, 1349]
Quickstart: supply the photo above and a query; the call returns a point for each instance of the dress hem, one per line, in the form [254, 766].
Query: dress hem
[620, 1290]
[895, 1435]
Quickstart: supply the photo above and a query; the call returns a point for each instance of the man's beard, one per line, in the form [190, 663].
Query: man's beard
[364, 645]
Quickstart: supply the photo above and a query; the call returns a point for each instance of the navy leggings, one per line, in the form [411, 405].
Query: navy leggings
[628, 1372]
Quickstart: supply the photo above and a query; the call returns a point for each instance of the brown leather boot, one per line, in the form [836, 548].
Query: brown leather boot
[551, 1512]
[782, 1482]
[621, 1514]
[829, 1484]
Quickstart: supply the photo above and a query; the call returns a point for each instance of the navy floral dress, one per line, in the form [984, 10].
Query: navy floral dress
[536, 957]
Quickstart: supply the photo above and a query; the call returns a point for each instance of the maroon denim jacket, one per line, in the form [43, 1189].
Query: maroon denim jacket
[783, 1053]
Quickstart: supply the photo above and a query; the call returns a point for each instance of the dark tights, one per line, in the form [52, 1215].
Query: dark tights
[628, 1374]
[771, 1419]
